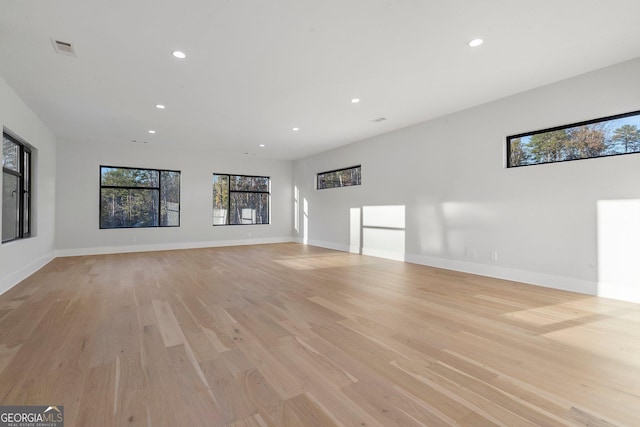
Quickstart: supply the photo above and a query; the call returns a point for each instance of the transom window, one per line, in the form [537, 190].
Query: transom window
[339, 178]
[240, 199]
[133, 197]
[607, 136]
[16, 189]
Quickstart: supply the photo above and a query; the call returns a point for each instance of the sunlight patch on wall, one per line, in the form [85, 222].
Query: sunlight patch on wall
[619, 249]
[296, 209]
[383, 231]
[305, 221]
[354, 231]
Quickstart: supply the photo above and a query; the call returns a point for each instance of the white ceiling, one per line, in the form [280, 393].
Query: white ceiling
[257, 68]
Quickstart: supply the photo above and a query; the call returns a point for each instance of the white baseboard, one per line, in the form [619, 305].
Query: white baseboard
[328, 245]
[628, 291]
[16, 277]
[396, 256]
[167, 246]
[523, 276]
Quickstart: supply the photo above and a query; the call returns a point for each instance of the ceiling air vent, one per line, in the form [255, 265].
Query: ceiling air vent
[379, 119]
[63, 48]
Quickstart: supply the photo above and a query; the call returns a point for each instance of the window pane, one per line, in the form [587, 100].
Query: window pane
[240, 199]
[220, 199]
[129, 208]
[134, 197]
[10, 155]
[249, 183]
[124, 177]
[10, 207]
[249, 208]
[26, 207]
[16, 209]
[608, 136]
[340, 178]
[170, 202]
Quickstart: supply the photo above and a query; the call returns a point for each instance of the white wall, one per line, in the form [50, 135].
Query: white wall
[462, 205]
[77, 222]
[19, 259]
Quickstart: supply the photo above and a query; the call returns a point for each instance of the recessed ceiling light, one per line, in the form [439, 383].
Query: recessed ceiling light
[160, 107]
[476, 42]
[261, 145]
[178, 54]
[151, 131]
[355, 100]
[295, 129]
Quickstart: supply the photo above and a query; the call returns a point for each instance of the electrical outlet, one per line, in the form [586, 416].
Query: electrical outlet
[470, 253]
[494, 255]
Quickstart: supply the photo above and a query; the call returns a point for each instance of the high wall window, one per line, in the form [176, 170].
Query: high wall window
[240, 199]
[339, 178]
[131, 197]
[16, 189]
[608, 136]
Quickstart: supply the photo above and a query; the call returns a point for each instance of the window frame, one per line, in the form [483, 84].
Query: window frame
[143, 188]
[229, 191]
[25, 156]
[318, 187]
[511, 138]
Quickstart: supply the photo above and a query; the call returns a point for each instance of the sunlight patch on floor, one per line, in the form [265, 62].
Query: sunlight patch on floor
[324, 261]
[547, 315]
[598, 338]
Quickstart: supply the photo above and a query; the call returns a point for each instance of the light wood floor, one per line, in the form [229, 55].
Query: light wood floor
[291, 335]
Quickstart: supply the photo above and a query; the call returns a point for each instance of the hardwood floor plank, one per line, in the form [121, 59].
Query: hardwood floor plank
[387, 405]
[294, 335]
[311, 364]
[302, 411]
[253, 421]
[97, 404]
[285, 382]
[168, 325]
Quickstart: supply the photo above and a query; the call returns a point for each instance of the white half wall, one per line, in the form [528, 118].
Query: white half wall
[78, 187]
[21, 258]
[464, 209]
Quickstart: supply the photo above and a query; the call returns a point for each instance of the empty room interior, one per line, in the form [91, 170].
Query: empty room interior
[320, 213]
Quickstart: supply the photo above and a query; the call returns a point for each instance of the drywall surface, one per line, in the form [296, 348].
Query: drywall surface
[464, 209]
[20, 258]
[77, 224]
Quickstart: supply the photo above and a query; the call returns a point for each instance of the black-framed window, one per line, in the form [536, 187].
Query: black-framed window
[136, 197]
[345, 177]
[16, 189]
[607, 136]
[240, 199]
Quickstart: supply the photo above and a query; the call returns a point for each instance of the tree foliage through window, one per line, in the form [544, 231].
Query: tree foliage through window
[597, 138]
[132, 197]
[16, 189]
[339, 178]
[240, 199]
